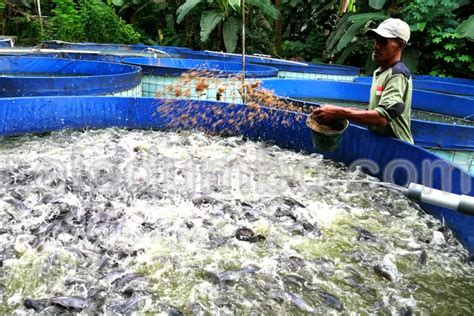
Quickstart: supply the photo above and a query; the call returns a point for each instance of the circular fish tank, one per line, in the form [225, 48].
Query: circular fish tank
[286, 68]
[107, 47]
[151, 214]
[99, 52]
[453, 86]
[197, 79]
[38, 76]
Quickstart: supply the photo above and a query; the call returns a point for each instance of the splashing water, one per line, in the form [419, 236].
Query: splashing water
[120, 221]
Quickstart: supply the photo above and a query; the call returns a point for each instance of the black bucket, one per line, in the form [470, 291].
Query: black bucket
[326, 137]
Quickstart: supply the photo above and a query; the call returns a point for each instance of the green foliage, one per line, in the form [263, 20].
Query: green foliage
[224, 15]
[27, 30]
[450, 53]
[440, 37]
[433, 12]
[311, 49]
[466, 28]
[186, 8]
[259, 35]
[92, 21]
[377, 4]
[348, 30]
[154, 20]
[209, 20]
[168, 35]
[265, 7]
[102, 25]
[65, 23]
[230, 30]
[316, 30]
[439, 43]
[306, 26]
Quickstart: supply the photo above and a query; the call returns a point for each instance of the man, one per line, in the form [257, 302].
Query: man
[391, 92]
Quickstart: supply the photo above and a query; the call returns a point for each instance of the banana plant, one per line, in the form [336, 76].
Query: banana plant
[466, 28]
[348, 29]
[344, 37]
[226, 14]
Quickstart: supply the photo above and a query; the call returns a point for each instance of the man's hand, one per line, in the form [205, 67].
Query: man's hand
[326, 113]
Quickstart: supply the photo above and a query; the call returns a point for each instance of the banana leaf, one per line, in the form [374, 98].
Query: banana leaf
[376, 4]
[230, 31]
[348, 29]
[466, 28]
[209, 21]
[336, 34]
[235, 5]
[186, 8]
[265, 7]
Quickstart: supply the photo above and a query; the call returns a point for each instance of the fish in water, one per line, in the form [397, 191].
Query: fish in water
[423, 257]
[365, 235]
[292, 279]
[387, 268]
[246, 234]
[133, 240]
[295, 299]
[203, 200]
[291, 202]
[69, 303]
[229, 276]
[170, 310]
[331, 300]
[125, 279]
[37, 305]
[304, 227]
[128, 305]
[285, 213]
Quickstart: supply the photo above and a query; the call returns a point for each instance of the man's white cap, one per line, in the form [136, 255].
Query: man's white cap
[392, 28]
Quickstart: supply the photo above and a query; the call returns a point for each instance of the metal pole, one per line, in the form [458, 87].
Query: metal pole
[40, 16]
[243, 42]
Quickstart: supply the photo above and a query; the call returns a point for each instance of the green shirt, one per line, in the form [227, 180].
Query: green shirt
[390, 96]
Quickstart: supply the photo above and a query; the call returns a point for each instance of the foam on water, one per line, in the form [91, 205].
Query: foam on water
[150, 220]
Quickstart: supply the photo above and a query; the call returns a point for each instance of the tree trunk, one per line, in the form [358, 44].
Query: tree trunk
[278, 27]
[343, 7]
[188, 29]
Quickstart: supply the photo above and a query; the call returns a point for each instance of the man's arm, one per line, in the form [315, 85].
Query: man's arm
[328, 113]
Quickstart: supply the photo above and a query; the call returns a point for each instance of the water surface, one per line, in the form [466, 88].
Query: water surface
[120, 221]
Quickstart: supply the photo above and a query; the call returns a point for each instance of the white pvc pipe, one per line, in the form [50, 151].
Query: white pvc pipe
[461, 203]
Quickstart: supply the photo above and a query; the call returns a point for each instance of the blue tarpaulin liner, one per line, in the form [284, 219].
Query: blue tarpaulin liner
[174, 51]
[112, 57]
[171, 50]
[6, 42]
[85, 46]
[176, 67]
[280, 64]
[462, 81]
[310, 68]
[425, 133]
[31, 76]
[456, 86]
[92, 56]
[28, 53]
[199, 54]
[19, 116]
[442, 87]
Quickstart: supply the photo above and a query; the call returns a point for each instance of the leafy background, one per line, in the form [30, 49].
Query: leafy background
[330, 31]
